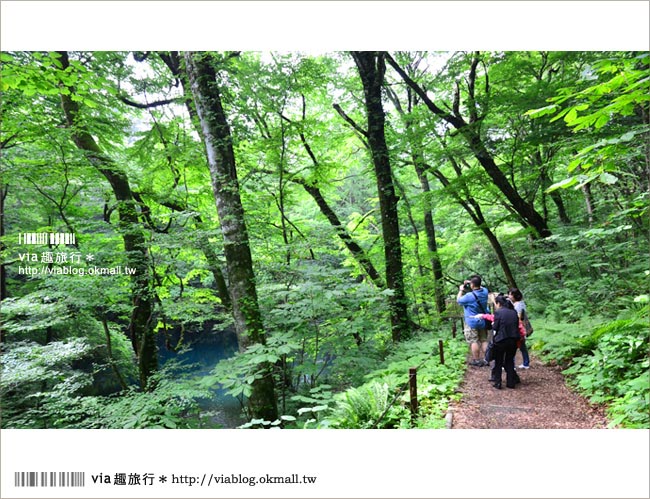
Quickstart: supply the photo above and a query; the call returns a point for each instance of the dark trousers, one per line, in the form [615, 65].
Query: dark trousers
[504, 357]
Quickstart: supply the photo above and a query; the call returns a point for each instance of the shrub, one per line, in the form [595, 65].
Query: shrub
[608, 363]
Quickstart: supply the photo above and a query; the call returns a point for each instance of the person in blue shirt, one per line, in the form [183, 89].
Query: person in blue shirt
[474, 301]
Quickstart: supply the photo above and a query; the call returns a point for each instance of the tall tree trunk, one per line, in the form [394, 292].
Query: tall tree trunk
[546, 183]
[215, 268]
[140, 326]
[529, 216]
[416, 148]
[432, 245]
[589, 202]
[221, 160]
[4, 189]
[372, 68]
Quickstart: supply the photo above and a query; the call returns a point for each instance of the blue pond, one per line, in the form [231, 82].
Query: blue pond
[201, 352]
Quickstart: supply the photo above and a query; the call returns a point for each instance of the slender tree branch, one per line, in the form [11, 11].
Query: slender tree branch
[146, 213]
[5, 143]
[455, 107]
[147, 105]
[352, 123]
[453, 120]
[59, 206]
[109, 352]
[361, 220]
[471, 88]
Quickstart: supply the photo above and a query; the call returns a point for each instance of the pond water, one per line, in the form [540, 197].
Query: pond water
[203, 350]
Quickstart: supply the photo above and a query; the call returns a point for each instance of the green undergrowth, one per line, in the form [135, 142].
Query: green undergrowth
[383, 399]
[607, 361]
[44, 390]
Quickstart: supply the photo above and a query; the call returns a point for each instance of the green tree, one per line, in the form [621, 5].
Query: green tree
[372, 69]
[469, 128]
[140, 326]
[203, 85]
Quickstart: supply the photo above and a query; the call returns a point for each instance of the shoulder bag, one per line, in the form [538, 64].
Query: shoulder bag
[527, 325]
[488, 324]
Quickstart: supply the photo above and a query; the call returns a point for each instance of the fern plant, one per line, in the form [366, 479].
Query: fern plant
[370, 406]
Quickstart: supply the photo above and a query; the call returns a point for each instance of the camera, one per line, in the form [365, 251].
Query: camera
[466, 286]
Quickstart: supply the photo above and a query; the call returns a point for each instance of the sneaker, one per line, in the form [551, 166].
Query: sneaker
[523, 367]
[475, 363]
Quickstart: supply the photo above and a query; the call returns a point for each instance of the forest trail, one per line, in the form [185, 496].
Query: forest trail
[541, 401]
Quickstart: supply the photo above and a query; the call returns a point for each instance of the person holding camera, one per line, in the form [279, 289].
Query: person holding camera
[474, 299]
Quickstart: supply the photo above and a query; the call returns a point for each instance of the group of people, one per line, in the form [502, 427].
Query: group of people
[506, 331]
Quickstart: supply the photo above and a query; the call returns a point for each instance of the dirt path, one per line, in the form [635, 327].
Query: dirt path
[541, 401]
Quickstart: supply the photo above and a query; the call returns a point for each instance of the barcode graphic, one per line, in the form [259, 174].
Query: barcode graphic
[49, 479]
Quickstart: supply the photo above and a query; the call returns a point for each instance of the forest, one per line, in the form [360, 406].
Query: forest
[273, 239]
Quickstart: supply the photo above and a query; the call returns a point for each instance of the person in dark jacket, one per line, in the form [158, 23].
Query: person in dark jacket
[506, 334]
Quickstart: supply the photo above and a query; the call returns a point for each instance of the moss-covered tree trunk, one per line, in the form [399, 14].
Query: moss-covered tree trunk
[241, 278]
[140, 326]
[372, 68]
[416, 147]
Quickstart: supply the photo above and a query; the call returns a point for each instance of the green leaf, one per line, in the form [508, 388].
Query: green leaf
[601, 121]
[563, 184]
[627, 137]
[571, 116]
[575, 164]
[607, 178]
[542, 111]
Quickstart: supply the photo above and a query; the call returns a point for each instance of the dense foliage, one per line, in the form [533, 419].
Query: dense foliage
[607, 363]
[274, 239]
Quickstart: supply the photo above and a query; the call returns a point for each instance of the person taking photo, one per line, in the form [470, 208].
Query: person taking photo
[474, 299]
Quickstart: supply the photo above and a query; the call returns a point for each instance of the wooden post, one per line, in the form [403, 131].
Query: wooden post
[413, 389]
[442, 352]
[453, 327]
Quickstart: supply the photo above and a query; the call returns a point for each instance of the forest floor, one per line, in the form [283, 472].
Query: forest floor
[541, 401]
